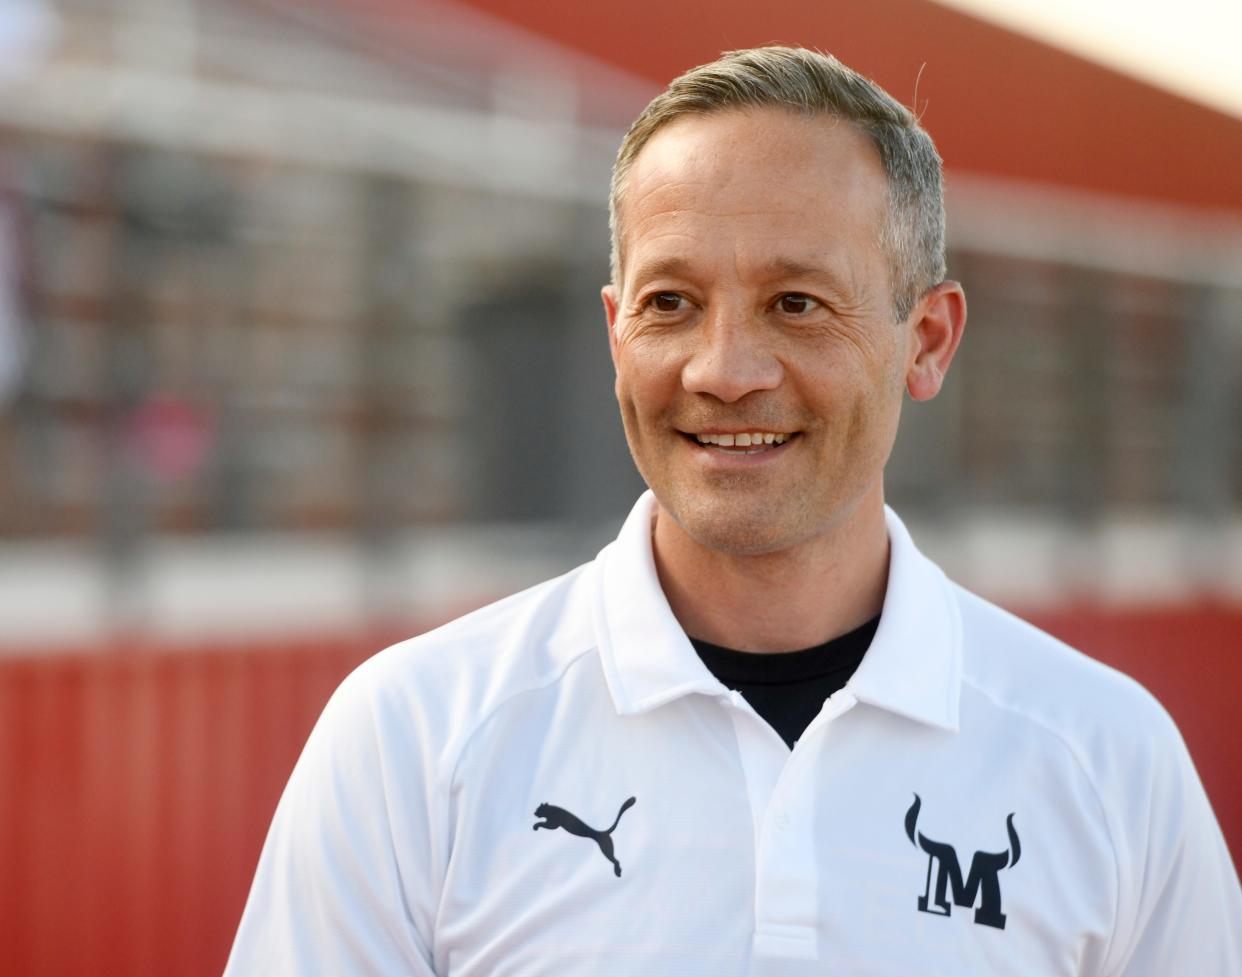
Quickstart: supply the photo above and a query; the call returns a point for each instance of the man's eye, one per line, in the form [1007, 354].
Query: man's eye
[666, 302]
[795, 304]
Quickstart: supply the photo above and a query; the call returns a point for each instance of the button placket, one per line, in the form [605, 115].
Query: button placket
[763, 756]
[786, 877]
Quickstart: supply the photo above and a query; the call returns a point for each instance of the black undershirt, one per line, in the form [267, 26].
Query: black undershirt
[788, 689]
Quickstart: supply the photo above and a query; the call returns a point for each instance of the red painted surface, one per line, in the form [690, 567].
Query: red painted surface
[139, 785]
[997, 103]
[138, 789]
[1191, 659]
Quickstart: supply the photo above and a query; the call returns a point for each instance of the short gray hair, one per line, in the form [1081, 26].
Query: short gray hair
[813, 83]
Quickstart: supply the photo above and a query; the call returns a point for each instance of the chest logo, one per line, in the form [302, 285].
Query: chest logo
[553, 817]
[982, 885]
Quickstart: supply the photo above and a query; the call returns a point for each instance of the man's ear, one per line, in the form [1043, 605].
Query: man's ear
[609, 294]
[935, 325]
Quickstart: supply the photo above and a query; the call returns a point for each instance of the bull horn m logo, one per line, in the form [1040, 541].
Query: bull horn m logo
[984, 873]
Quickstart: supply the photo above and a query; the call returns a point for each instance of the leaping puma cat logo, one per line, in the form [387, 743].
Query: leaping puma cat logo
[557, 817]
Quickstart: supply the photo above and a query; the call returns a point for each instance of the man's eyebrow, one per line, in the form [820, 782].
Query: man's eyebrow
[670, 267]
[782, 267]
[773, 269]
[776, 267]
[835, 285]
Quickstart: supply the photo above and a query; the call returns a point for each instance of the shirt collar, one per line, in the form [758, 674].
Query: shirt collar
[648, 660]
[913, 666]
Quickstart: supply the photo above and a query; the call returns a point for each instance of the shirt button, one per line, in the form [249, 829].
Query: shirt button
[782, 821]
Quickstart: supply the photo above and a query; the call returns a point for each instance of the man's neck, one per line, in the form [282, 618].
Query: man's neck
[784, 601]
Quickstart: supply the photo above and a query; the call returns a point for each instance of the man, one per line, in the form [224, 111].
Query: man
[760, 733]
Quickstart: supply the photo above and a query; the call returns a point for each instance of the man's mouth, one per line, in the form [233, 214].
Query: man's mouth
[743, 443]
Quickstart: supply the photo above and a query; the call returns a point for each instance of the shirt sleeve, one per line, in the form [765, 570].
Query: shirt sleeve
[1184, 909]
[331, 895]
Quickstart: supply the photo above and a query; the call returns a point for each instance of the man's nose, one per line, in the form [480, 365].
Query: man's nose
[732, 357]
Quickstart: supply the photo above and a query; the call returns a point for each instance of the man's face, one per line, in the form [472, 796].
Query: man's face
[756, 301]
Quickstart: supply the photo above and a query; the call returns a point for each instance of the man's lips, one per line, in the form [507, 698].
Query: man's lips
[741, 442]
[741, 439]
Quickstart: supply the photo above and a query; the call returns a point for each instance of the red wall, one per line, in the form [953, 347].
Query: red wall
[138, 785]
[996, 102]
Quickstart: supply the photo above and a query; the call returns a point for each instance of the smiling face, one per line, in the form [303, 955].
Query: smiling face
[755, 308]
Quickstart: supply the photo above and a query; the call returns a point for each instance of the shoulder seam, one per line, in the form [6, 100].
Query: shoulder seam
[483, 719]
[1072, 750]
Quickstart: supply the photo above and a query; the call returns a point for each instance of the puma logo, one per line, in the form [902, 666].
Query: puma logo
[557, 817]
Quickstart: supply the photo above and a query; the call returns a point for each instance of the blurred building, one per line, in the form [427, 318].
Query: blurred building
[286, 272]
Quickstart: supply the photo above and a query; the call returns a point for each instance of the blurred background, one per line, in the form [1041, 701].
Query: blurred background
[301, 353]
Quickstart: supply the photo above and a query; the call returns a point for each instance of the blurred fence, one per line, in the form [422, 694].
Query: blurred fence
[268, 265]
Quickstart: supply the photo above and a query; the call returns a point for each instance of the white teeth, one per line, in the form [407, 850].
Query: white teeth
[744, 440]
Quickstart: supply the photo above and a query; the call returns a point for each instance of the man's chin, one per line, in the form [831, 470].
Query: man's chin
[732, 526]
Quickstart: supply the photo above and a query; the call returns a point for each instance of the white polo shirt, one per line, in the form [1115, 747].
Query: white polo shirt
[978, 800]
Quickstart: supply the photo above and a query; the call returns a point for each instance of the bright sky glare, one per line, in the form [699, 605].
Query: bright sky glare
[1187, 46]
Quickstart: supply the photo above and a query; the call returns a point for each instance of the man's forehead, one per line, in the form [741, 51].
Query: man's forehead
[794, 182]
[731, 138]
[741, 155]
